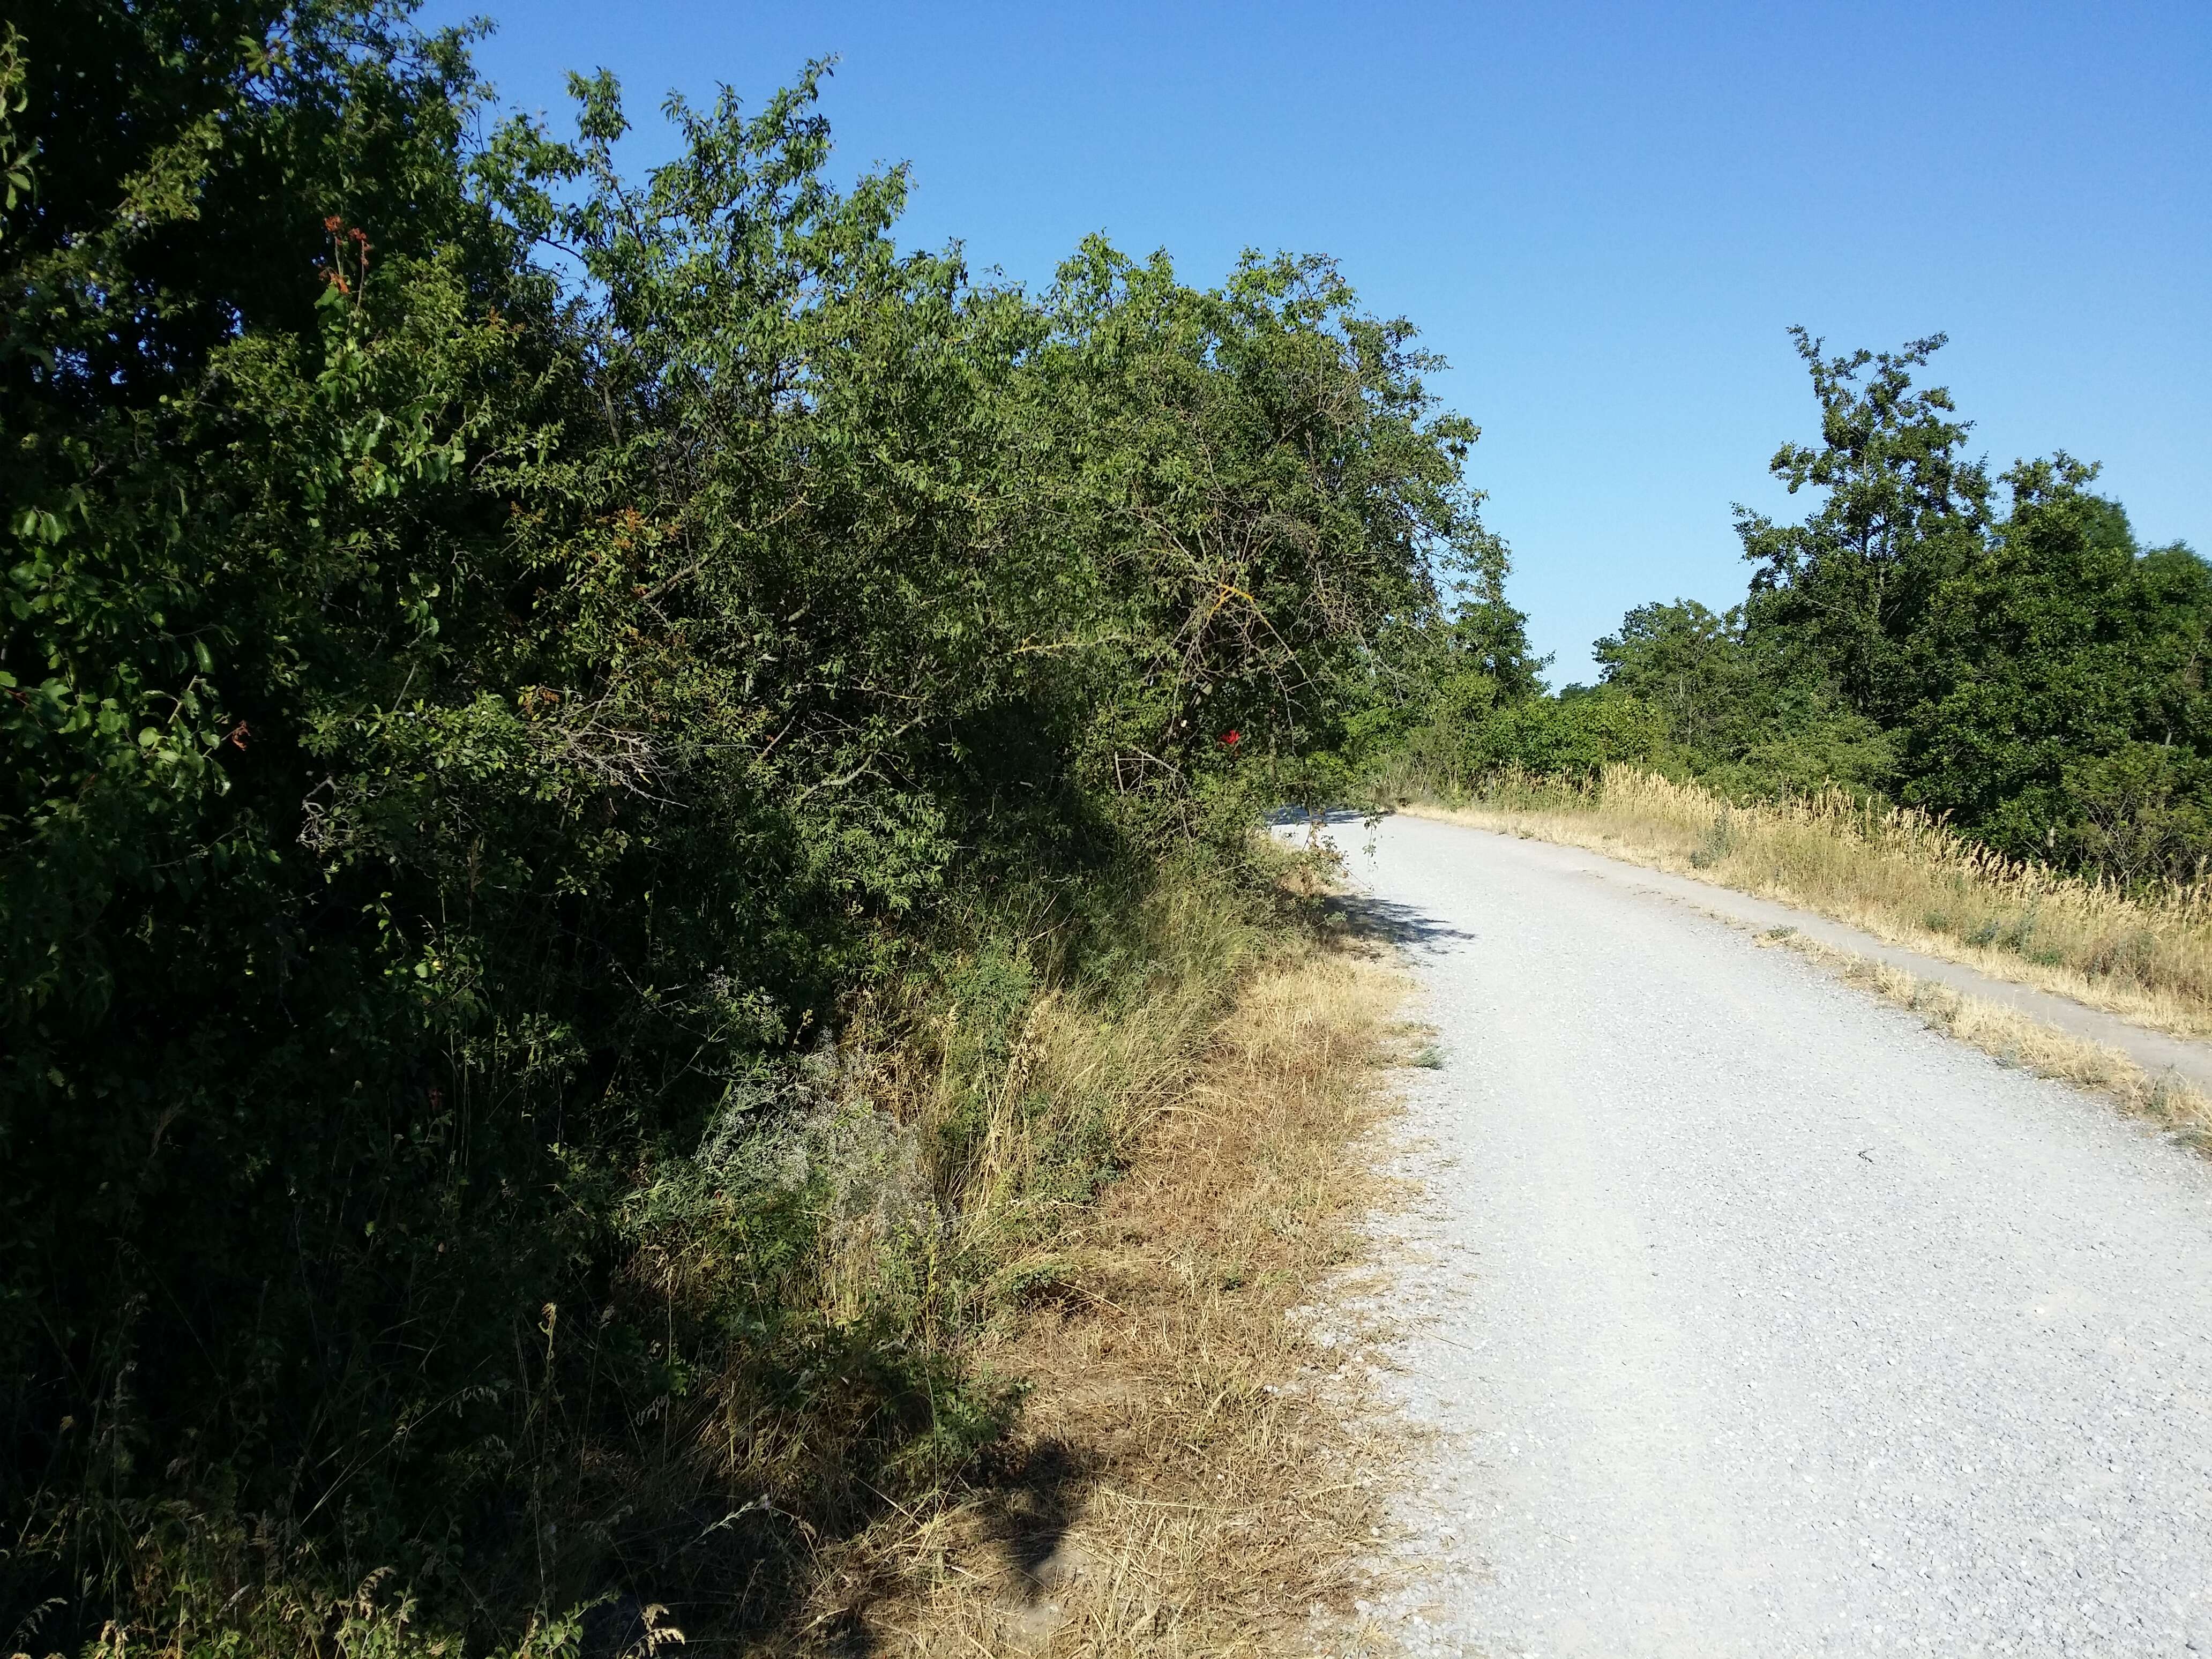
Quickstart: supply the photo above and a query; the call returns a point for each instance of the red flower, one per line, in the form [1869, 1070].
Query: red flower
[1233, 737]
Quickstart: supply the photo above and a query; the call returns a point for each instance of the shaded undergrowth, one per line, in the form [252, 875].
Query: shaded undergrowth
[833, 1326]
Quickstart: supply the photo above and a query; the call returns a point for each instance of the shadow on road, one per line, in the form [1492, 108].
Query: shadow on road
[1399, 923]
[1363, 912]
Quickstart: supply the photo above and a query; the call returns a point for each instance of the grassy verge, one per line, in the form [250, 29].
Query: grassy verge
[1899, 875]
[1171, 1487]
[2018, 1040]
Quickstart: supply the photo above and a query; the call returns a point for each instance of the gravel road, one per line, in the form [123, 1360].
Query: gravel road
[1752, 1317]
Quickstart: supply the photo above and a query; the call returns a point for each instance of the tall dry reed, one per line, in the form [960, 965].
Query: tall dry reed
[1898, 873]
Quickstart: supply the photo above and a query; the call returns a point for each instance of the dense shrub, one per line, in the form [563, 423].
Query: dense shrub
[516, 680]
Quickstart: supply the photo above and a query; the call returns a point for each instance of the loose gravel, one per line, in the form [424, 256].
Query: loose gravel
[1751, 1317]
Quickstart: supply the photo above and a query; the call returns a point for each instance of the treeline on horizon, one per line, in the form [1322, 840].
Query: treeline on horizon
[1999, 652]
[519, 682]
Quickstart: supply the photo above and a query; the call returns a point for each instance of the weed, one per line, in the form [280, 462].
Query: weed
[1720, 841]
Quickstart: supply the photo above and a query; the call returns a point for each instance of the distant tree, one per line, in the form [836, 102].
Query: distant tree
[1902, 507]
[2060, 676]
[1572, 737]
[1688, 663]
[2000, 652]
[1484, 633]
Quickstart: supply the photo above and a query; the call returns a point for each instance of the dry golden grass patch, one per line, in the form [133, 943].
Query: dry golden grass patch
[2019, 1040]
[1176, 1486]
[1897, 874]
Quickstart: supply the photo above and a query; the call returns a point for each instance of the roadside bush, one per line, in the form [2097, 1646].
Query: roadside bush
[519, 768]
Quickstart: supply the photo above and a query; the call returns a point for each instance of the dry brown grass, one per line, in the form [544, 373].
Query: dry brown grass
[2018, 1040]
[1176, 1486]
[1897, 874]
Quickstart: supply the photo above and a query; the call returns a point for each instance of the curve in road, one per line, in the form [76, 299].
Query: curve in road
[1754, 1318]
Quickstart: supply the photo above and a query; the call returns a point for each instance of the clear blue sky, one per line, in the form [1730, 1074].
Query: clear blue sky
[1604, 215]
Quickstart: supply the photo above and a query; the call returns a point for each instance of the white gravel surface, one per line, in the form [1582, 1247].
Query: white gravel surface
[1754, 1318]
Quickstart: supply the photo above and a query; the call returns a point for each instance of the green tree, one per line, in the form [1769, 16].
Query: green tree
[2002, 654]
[1685, 662]
[1902, 508]
[2060, 676]
[1752, 712]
